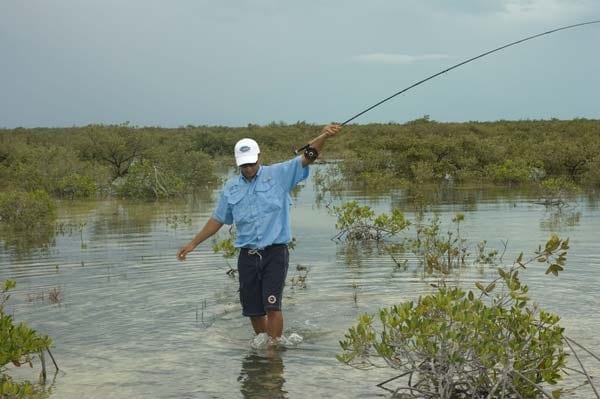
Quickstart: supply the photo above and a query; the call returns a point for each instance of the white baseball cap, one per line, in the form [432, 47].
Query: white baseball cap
[246, 151]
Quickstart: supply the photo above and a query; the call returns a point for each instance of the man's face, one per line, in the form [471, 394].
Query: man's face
[249, 169]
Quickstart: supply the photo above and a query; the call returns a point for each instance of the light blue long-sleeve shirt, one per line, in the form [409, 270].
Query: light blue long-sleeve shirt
[260, 208]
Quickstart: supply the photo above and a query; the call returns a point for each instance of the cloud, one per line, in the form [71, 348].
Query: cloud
[539, 9]
[470, 7]
[389, 58]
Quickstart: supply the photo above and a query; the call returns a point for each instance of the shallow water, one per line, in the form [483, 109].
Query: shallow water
[133, 322]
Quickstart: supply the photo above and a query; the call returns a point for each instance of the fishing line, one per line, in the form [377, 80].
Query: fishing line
[456, 66]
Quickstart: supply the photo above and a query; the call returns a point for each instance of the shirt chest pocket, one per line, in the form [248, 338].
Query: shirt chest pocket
[247, 206]
[269, 196]
[239, 208]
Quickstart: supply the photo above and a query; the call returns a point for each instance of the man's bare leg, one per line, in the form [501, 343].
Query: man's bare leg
[274, 323]
[259, 323]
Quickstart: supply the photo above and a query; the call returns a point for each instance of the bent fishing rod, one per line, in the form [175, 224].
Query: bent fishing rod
[311, 152]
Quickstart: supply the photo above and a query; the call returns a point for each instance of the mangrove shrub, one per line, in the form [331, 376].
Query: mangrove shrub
[18, 345]
[492, 342]
[355, 222]
[27, 219]
[26, 210]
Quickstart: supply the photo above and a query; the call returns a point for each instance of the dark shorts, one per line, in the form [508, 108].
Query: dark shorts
[262, 276]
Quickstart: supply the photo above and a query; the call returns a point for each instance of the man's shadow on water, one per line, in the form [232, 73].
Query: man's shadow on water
[261, 376]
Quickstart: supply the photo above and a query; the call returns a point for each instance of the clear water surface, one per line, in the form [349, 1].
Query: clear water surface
[133, 322]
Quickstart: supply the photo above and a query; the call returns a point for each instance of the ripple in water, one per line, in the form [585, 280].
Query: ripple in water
[264, 341]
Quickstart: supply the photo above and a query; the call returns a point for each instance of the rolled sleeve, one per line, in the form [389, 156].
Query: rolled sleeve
[223, 212]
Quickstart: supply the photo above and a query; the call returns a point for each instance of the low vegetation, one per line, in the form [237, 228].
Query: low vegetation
[156, 163]
[491, 341]
[27, 219]
[19, 344]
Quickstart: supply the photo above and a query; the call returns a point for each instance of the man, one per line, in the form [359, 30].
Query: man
[258, 202]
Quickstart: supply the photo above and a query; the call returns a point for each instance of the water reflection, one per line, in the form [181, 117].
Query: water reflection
[354, 252]
[261, 376]
[24, 242]
[559, 220]
[468, 198]
[593, 199]
[124, 218]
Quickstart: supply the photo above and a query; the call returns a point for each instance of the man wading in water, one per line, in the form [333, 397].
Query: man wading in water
[258, 202]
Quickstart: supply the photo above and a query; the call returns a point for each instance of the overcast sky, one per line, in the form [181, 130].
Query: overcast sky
[233, 62]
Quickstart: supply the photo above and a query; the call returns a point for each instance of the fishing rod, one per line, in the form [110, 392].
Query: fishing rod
[307, 147]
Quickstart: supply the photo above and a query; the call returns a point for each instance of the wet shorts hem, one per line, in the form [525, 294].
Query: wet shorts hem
[254, 314]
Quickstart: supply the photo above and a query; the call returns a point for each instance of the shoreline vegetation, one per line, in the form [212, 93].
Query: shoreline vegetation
[149, 163]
